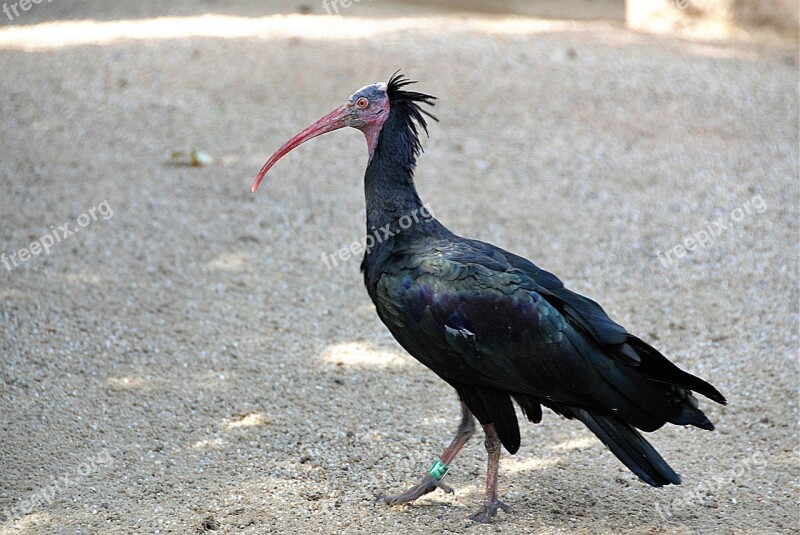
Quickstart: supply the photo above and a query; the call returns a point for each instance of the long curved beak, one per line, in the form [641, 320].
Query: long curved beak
[333, 121]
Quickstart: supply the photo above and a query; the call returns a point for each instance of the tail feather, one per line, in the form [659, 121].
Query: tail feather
[530, 407]
[630, 447]
[657, 367]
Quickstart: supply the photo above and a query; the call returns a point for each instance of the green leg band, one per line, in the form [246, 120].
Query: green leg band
[438, 470]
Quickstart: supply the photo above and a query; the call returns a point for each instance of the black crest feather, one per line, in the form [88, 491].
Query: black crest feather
[407, 103]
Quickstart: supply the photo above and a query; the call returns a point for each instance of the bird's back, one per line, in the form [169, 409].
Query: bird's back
[497, 327]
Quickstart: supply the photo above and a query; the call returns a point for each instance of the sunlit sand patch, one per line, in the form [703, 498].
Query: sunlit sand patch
[514, 465]
[87, 278]
[229, 262]
[212, 443]
[252, 419]
[361, 354]
[575, 443]
[30, 523]
[126, 382]
[91, 32]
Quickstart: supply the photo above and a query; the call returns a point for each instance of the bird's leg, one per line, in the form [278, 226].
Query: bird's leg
[490, 502]
[429, 483]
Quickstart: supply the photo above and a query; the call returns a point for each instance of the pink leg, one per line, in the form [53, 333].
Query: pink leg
[490, 502]
[428, 483]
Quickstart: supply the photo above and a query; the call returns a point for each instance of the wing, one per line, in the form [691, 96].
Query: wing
[590, 319]
[576, 308]
[482, 318]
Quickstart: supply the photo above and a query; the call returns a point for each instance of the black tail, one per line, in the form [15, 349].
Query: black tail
[657, 367]
[630, 447]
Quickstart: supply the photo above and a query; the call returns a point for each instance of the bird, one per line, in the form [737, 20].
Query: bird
[493, 325]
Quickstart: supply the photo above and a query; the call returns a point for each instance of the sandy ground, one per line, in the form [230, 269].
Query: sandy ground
[186, 362]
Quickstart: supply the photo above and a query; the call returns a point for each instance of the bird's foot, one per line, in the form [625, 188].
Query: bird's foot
[428, 484]
[488, 510]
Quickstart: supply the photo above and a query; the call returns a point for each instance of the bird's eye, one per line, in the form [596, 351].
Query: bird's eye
[362, 102]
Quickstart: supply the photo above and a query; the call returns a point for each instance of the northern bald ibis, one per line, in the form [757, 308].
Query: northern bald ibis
[493, 325]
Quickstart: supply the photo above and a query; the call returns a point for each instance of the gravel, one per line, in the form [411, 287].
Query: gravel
[187, 363]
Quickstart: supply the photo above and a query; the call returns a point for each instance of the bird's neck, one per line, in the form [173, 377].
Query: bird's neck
[389, 180]
[389, 198]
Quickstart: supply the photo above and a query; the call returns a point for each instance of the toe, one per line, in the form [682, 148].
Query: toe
[487, 511]
[504, 507]
[481, 516]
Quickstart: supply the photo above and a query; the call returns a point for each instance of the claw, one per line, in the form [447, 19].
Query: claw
[487, 511]
[446, 488]
[426, 485]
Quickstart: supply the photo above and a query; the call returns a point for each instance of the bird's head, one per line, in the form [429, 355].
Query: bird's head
[367, 110]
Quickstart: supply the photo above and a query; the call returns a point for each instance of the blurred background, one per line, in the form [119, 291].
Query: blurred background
[700, 17]
[179, 355]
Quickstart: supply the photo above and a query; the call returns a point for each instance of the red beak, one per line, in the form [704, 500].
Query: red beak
[333, 121]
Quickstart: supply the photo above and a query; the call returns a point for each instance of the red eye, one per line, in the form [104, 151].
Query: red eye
[362, 102]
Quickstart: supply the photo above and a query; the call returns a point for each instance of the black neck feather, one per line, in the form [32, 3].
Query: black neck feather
[389, 180]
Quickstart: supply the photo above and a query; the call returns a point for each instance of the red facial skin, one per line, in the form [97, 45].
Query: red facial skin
[366, 110]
